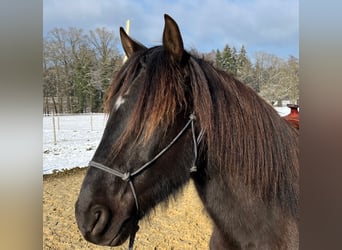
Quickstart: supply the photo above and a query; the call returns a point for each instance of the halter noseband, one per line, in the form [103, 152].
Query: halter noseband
[127, 176]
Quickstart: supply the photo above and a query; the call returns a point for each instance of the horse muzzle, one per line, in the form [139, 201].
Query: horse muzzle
[99, 226]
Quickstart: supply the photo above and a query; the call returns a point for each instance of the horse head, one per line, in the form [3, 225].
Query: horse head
[148, 145]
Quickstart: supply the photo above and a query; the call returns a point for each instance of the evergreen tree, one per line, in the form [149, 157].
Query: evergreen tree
[244, 69]
[228, 60]
[233, 62]
[218, 60]
[242, 60]
[226, 57]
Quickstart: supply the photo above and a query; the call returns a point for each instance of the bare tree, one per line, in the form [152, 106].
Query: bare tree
[78, 68]
[108, 59]
[58, 63]
[277, 78]
[293, 81]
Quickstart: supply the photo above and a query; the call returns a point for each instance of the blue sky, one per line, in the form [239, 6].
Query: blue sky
[260, 25]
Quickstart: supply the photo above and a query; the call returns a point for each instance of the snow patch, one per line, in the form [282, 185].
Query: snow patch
[77, 137]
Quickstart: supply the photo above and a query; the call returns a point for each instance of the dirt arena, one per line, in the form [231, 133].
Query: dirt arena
[182, 225]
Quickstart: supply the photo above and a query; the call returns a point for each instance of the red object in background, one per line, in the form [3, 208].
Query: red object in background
[293, 117]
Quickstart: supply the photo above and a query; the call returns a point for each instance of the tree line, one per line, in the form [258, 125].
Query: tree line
[78, 68]
[274, 78]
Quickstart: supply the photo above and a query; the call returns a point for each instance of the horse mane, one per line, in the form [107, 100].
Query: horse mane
[244, 137]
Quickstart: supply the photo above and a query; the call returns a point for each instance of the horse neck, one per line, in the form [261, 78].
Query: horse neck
[249, 146]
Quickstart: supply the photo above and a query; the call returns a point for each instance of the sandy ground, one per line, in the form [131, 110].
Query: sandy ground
[182, 225]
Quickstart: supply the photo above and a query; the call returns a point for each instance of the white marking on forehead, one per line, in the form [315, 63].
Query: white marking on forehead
[119, 102]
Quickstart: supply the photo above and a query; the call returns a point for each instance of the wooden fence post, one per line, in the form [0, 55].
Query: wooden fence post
[54, 127]
[91, 121]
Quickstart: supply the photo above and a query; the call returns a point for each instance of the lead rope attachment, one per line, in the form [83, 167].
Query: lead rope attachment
[132, 235]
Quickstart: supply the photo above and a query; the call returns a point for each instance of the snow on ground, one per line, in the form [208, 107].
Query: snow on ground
[77, 137]
[76, 140]
[282, 111]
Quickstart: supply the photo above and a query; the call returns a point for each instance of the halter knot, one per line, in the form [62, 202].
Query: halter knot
[193, 169]
[126, 176]
[192, 117]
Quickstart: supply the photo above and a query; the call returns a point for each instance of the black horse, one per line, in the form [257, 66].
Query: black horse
[172, 117]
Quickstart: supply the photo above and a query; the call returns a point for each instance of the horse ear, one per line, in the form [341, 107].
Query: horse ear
[172, 39]
[129, 45]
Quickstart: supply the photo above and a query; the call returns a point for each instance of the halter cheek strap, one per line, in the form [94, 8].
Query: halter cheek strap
[127, 176]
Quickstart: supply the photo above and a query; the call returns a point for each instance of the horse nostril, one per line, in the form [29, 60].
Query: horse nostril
[101, 218]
